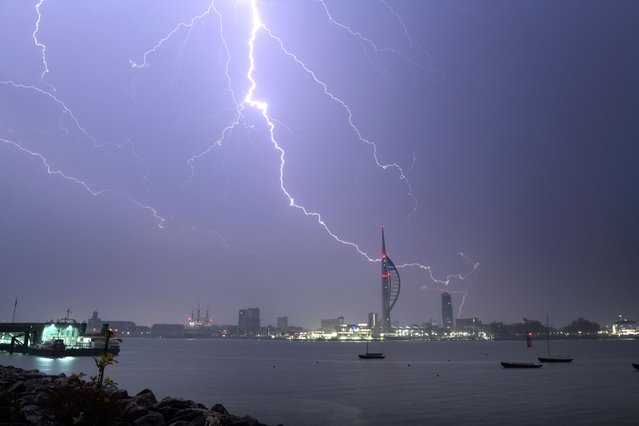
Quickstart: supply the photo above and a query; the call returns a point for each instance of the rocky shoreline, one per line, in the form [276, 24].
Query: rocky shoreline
[29, 397]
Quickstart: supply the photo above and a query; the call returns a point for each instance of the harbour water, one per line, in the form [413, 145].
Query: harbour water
[419, 382]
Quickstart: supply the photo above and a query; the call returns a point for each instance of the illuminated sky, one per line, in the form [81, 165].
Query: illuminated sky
[157, 155]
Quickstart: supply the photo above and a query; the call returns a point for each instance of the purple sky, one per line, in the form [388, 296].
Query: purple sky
[139, 175]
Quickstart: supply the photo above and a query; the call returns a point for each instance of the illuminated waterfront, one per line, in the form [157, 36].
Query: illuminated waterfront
[419, 382]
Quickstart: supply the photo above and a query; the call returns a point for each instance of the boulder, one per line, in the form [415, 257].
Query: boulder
[17, 387]
[190, 415]
[133, 411]
[145, 398]
[152, 419]
[170, 406]
[219, 408]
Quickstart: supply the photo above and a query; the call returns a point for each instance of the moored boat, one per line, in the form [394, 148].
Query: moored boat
[371, 355]
[511, 364]
[56, 348]
[555, 358]
[552, 358]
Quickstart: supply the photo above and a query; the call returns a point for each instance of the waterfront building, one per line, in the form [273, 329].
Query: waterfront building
[447, 313]
[625, 327]
[331, 325]
[94, 324]
[122, 328]
[467, 325]
[390, 288]
[249, 321]
[282, 323]
[353, 332]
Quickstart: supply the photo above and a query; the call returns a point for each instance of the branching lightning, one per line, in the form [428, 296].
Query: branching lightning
[95, 192]
[259, 27]
[66, 111]
[249, 100]
[159, 44]
[367, 41]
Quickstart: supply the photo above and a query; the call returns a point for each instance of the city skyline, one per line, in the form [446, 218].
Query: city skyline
[246, 153]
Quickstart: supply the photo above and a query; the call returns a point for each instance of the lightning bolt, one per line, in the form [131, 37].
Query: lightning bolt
[66, 110]
[161, 42]
[258, 28]
[371, 44]
[41, 46]
[95, 192]
[250, 101]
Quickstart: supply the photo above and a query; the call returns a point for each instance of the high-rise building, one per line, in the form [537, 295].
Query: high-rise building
[94, 324]
[282, 323]
[390, 287]
[373, 321]
[447, 313]
[249, 321]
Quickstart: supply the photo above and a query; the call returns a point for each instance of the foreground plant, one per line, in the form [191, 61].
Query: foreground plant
[82, 404]
[105, 359]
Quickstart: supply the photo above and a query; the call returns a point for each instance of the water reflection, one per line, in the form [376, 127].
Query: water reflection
[53, 365]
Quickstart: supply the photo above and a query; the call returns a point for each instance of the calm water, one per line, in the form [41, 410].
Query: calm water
[324, 383]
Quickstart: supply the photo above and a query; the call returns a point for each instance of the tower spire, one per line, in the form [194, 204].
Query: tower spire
[390, 287]
[383, 243]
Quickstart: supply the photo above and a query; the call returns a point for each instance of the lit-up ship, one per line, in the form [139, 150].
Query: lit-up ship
[390, 287]
[199, 326]
[55, 339]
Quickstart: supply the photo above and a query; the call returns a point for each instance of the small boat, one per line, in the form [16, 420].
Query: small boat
[509, 364]
[371, 355]
[552, 358]
[636, 365]
[555, 358]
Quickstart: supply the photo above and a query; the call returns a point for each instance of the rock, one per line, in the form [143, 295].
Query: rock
[190, 415]
[134, 411]
[118, 394]
[17, 387]
[219, 408]
[246, 421]
[41, 398]
[170, 406]
[212, 421]
[63, 381]
[152, 419]
[32, 414]
[145, 398]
